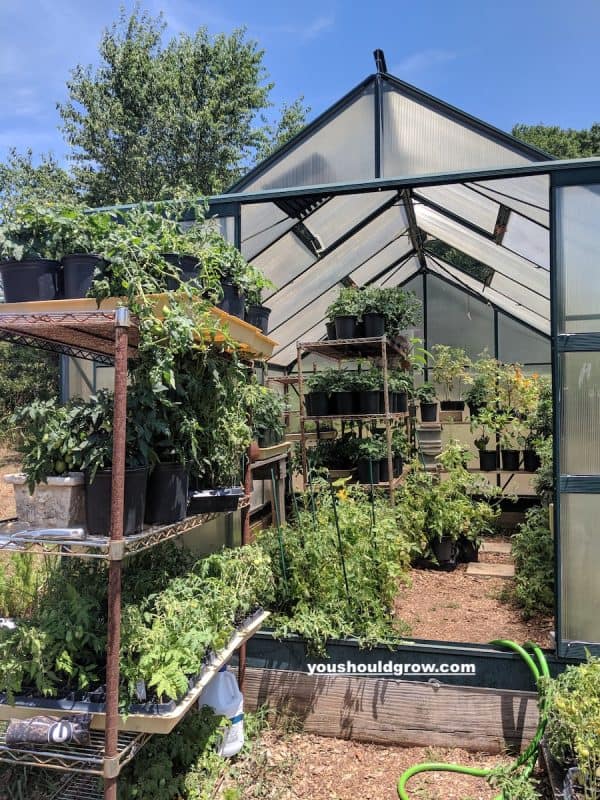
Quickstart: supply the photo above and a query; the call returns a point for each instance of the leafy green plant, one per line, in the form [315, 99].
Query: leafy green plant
[400, 381]
[347, 303]
[573, 728]
[266, 408]
[533, 551]
[365, 380]
[425, 393]
[311, 597]
[400, 443]
[372, 449]
[450, 365]
[337, 454]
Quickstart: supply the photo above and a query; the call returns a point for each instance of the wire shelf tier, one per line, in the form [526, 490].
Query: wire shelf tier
[79, 787]
[16, 536]
[88, 759]
[371, 347]
[357, 416]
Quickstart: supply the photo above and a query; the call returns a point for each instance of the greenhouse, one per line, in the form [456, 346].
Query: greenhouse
[338, 424]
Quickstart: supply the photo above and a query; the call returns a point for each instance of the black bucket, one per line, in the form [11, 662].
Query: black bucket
[98, 496]
[259, 317]
[374, 324]
[345, 327]
[364, 473]
[429, 412]
[78, 273]
[343, 402]
[167, 494]
[368, 401]
[531, 461]
[488, 460]
[510, 460]
[31, 279]
[233, 299]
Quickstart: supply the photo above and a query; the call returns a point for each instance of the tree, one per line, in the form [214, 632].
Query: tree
[21, 180]
[561, 142]
[154, 118]
[291, 122]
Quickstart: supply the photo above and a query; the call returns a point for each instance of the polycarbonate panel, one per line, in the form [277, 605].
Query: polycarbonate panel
[401, 277]
[580, 414]
[297, 328]
[580, 559]
[344, 260]
[528, 195]
[342, 149]
[418, 139]
[398, 275]
[339, 215]
[227, 228]
[501, 301]
[500, 259]
[262, 223]
[457, 319]
[521, 296]
[463, 202]
[528, 239]
[382, 260]
[518, 344]
[578, 244]
[284, 260]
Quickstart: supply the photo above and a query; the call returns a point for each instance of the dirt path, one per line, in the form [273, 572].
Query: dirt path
[456, 607]
[8, 463]
[307, 767]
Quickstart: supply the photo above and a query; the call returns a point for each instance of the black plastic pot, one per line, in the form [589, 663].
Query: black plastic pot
[259, 317]
[445, 552]
[330, 327]
[360, 329]
[368, 401]
[474, 408]
[467, 550]
[210, 501]
[429, 412]
[382, 402]
[78, 273]
[364, 471]
[401, 402]
[510, 460]
[398, 464]
[488, 460]
[384, 473]
[233, 299]
[345, 327]
[452, 405]
[317, 404]
[98, 495]
[187, 267]
[531, 461]
[167, 494]
[374, 324]
[31, 279]
[343, 402]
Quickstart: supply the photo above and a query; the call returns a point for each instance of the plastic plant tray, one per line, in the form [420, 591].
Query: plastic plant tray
[147, 718]
[265, 453]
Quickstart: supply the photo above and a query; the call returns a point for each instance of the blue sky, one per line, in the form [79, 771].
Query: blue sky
[527, 61]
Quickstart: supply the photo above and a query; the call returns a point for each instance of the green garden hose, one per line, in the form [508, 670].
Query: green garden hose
[529, 755]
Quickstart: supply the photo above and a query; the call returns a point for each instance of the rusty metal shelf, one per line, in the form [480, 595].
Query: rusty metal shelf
[17, 536]
[344, 349]
[357, 416]
[79, 787]
[88, 759]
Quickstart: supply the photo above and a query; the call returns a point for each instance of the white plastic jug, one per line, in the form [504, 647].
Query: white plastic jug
[224, 697]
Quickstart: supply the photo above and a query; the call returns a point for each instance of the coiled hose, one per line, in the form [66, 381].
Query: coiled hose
[527, 758]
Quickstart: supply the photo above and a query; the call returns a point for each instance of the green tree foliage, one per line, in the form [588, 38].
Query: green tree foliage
[158, 117]
[561, 142]
[25, 375]
[21, 179]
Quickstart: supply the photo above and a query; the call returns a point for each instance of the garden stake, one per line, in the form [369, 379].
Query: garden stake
[279, 533]
[312, 503]
[339, 537]
[373, 539]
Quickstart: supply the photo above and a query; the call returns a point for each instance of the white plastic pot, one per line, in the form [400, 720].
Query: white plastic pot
[59, 503]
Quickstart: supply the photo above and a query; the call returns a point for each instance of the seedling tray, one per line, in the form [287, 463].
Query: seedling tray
[147, 718]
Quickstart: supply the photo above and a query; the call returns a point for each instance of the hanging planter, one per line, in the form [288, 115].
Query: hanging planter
[167, 494]
[98, 493]
[79, 270]
[30, 280]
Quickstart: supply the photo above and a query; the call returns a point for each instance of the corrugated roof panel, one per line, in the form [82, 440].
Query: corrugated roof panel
[463, 202]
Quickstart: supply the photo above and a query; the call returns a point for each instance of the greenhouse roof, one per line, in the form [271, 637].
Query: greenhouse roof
[328, 209]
